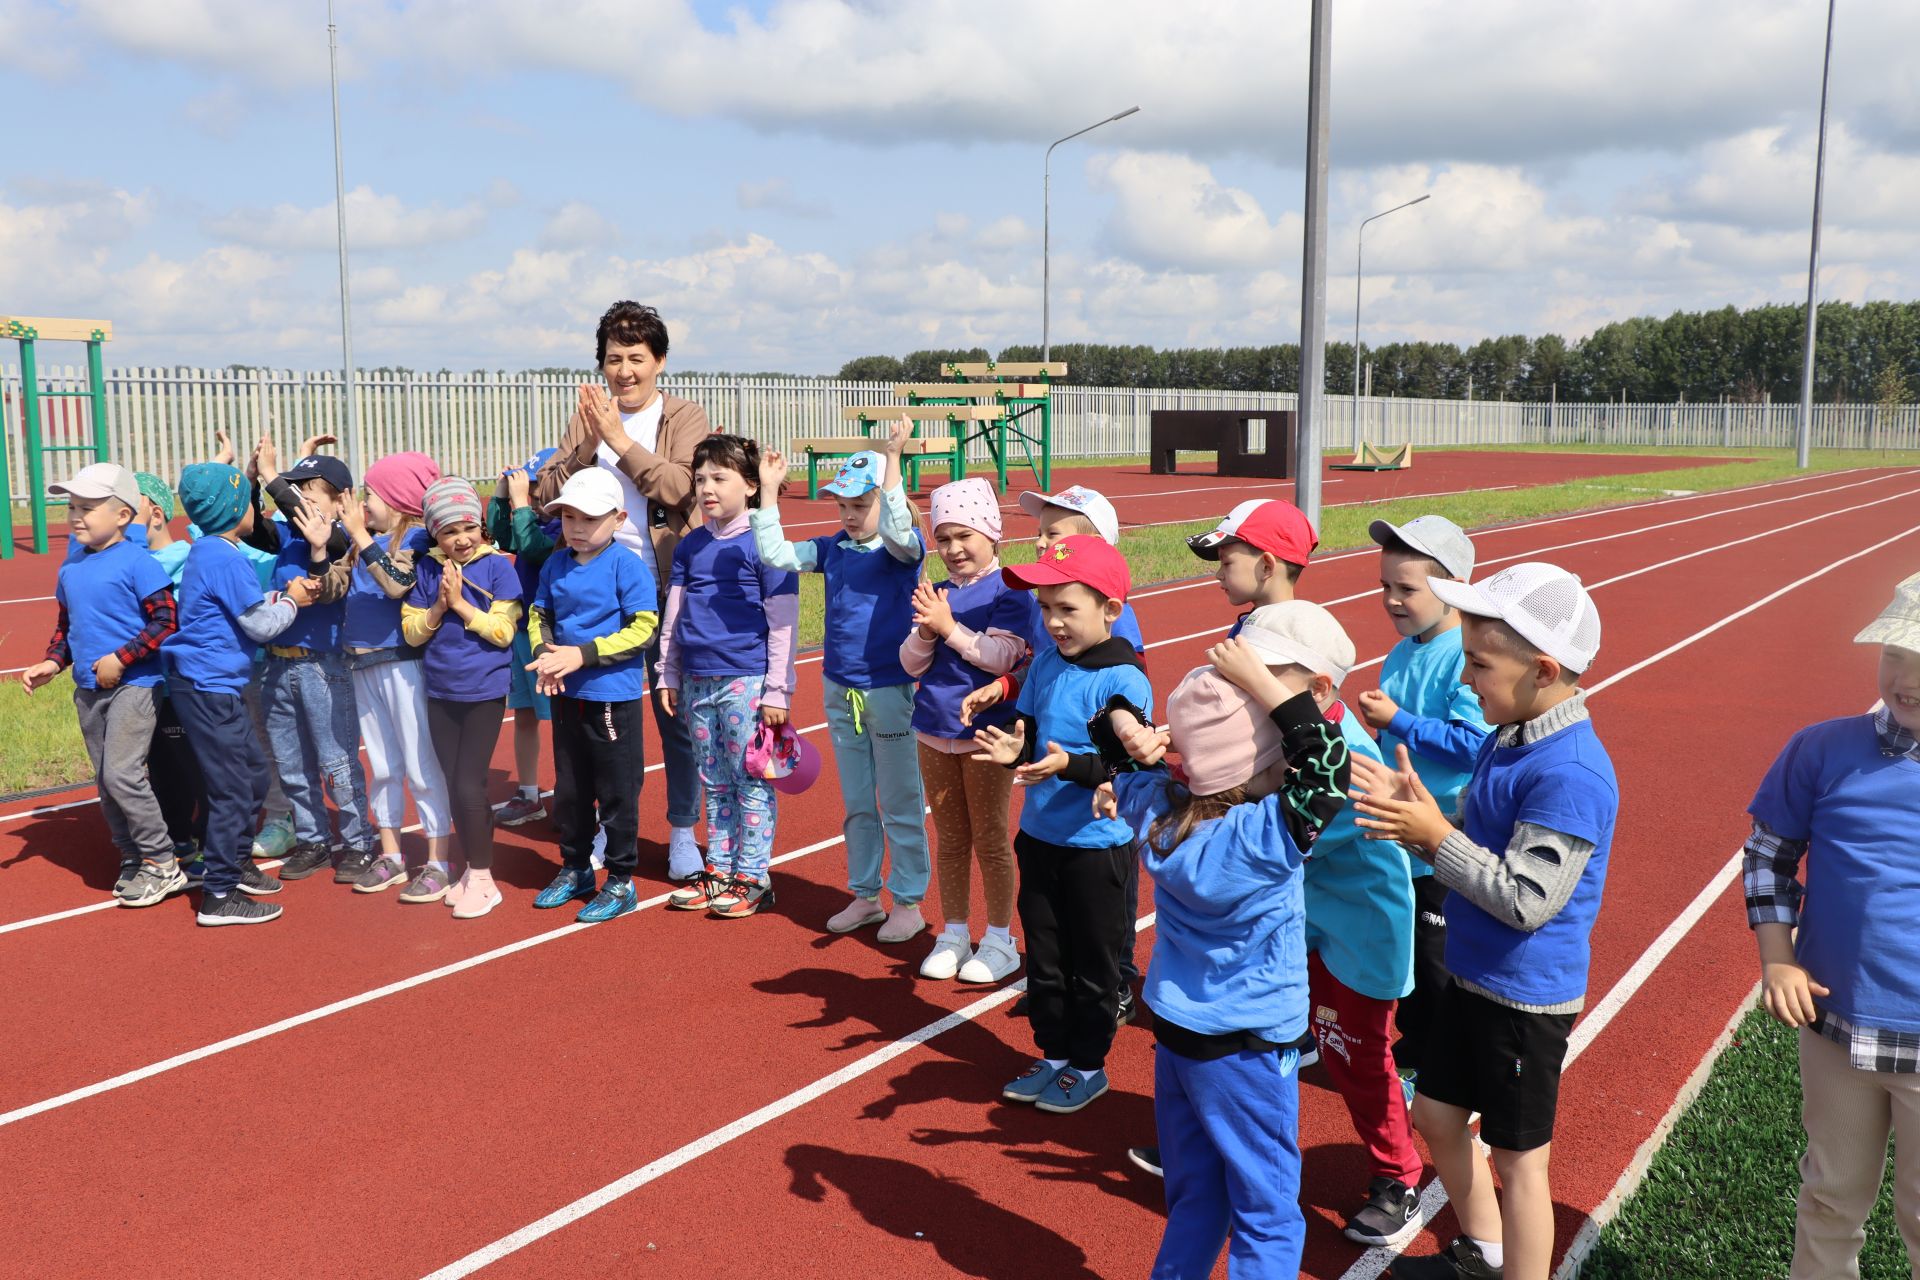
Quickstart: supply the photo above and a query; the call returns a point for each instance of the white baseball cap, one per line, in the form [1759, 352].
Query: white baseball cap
[1302, 633]
[592, 491]
[1434, 536]
[1899, 623]
[101, 480]
[1085, 501]
[1544, 603]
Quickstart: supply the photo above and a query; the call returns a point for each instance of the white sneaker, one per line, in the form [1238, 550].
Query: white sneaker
[599, 858]
[948, 954]
[684, 857]
[992, 961]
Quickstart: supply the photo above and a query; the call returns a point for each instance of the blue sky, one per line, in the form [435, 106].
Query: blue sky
[796, 183]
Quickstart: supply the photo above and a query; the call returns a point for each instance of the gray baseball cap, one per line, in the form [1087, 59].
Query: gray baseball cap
[1434, 536]
[101, 480]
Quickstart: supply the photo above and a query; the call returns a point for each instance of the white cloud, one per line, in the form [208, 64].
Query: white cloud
[578, 225]
[373, 222]
[1169, 210]
[777, 195]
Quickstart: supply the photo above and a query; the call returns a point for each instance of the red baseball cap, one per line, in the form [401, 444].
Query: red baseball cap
[1086, 558]
[1265, 524]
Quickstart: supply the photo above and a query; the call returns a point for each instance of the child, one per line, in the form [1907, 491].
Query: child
[116, 608]
[1261, 549]
[1423, 703]
[224, 616]
[1073, 873]
[466, 672]
[1526, 874]
[592, 616]
[726, 665]
[1077, 510]
[968, 629]
[389, 678]
[312, 722]
[171, 768]
[1262, 773]
[1845, 797]
[871, 567]
[517, 529]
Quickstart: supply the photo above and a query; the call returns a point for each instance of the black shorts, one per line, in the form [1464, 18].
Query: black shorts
[1502, 1062]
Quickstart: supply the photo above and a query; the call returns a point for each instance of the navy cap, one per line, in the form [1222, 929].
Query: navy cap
[320, 466]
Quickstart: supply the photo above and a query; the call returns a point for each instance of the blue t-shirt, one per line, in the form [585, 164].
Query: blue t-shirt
[985, 603]
[1564, 782]
[101, 591]
[372, 616]
[317, 626]
[172, 558]
[1061, 696]
[1229, 951]
[598, 598]
[1858, 809]
[136, 533]
[1360, 897]
[869, 612]
[1125, 627]
[460, 666]
[210, 650]
[721, 629]
[1439, 721]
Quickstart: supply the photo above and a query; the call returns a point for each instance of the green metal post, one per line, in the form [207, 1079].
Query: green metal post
[97, 387]
[1046, 445]
[36, 464]
[6, 486]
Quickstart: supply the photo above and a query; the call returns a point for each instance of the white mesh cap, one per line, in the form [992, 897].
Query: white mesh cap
[1544, 603]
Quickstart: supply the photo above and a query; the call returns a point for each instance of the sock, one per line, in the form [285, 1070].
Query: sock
[957, 930]
[1002, 933]
[441, 865]
[531, 793]
[1054, 1064]
[1093, 1075]
[1494, 1251]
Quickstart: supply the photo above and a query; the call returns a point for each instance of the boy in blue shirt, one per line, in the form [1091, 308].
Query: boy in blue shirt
[1525, 873]
[593, 616]
[116, 608]
[1844, 796]
[1073, 871]
[1423, 703]
[1259, 552]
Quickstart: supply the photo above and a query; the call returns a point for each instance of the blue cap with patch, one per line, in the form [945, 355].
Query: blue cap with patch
[862, 473]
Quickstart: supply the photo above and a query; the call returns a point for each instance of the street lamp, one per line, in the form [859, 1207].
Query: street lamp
[1046, 232]
[340, 217]
[1359, 257]
[1803, 453]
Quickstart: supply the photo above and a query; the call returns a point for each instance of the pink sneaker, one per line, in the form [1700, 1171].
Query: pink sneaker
[902, 924]
[481, 896]
[455, 891]
[857, 914]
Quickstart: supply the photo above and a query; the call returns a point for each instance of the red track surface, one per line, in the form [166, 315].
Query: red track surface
[399, 1135]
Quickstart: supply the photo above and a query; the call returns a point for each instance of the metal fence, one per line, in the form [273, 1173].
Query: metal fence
[159, 420]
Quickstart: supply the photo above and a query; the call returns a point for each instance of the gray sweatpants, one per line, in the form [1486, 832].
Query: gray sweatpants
[117, 725]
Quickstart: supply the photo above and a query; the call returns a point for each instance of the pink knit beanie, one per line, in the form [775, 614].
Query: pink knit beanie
[402, 480]
[970, 503]
[1222, 735]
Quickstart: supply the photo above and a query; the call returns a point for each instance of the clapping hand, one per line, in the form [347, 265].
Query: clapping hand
[997, 746]
[1377, 709]
[1394, 804]
[932, 612]
[979, 700]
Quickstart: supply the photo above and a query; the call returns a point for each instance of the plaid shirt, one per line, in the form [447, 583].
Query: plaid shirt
[1771, 870]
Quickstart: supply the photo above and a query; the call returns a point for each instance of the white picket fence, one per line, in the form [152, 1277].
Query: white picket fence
[160, 420]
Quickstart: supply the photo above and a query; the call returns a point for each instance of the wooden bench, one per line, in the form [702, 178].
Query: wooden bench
[988, 369]
[919, 450]
[973, 390]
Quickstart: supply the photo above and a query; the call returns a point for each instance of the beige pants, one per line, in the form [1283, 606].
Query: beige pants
[1848, 1115]
[969, 799]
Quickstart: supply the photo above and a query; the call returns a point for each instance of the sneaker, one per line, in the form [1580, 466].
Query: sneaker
[902, 924]
[276, 839]
[569, 886]
[1070, 1091]
[305, 860]
[353, 864]
[429, 884]
[1309, 1047]
[1460, 1260]
[235, 908]
[128, 870]
[993, 961]
[478, 898]
[152, 883]
[1389, 1218]
[685, 857]
[619, 898]
[1031, 1083]
[948, 954]
[386, 871]
[1147, 1158]
[857, 914]
[256, 883]
[697, 893]
[194, 869]
[743, 897]
[1123, 1012]
[519, 810]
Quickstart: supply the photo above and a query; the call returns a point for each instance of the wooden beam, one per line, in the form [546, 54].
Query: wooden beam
[925, 412]
[858, 444]
[974, 390]
[1057, 369]
[49, 329]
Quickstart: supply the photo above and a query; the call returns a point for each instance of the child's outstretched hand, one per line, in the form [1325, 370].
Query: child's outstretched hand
[353, 517]
[314, 443]
[1041, 768]
[225, 452]
[39, 673]
[1396, 805]
[931, 611]
[1105, 803]
[773, 474]
[997, 746]
[1377, 709]
[979, 700]
[1788, 991]
[108, 671]
[313, 527]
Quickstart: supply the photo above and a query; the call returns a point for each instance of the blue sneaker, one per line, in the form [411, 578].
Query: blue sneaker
[1409, 1085]
[568, 886]
[1032, 1082]
[618, 898]
[1071, 1090]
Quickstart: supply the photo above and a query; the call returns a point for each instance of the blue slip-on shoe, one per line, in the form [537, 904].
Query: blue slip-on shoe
[1033, 1082]
[570, 885]
[617, 899]
[1071, 1090]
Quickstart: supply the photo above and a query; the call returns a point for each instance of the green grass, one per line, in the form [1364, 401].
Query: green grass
[1718, 1198]
[39, 737]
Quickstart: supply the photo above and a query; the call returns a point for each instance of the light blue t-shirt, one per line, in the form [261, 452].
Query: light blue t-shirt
[1439, 718]
[1062, 695]
[1360, 897]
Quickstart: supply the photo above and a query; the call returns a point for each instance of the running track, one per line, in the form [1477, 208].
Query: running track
[370, 1089]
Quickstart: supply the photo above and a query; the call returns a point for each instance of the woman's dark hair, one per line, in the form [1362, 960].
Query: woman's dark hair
[628, 323]
[735, 453]
[1186, 811]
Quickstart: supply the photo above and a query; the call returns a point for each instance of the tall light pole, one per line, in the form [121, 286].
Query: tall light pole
[1805, 452]
[1046, 232]
[340, 214]
[1313, 270]
[1359, 258]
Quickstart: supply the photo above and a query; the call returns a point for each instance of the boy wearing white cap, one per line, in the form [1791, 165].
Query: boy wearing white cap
[1844, 797]
[1526, 872]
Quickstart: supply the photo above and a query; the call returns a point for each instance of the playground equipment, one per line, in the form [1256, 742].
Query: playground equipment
[1369, 457]
[1225, 433]
[29, 331]
[986, 401]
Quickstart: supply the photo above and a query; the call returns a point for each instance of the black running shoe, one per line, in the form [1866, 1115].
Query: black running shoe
[353, 864]
[1460, 1260]
[305, 859]
[235, 908]
[256, 883]
[1147, 1158]
[1389, 1218]
[1127, 1008]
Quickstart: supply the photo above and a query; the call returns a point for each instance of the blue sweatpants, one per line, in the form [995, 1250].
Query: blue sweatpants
[879, 763]
[1230, 1146]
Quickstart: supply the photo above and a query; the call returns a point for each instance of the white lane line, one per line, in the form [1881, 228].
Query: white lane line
[26, 600]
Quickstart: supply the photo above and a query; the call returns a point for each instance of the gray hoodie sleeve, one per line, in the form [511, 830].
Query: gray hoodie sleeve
[268, 619]
[1528, 886]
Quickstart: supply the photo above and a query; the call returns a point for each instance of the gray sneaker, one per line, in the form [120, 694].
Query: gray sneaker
[153, 883]
[383, 873]
[429, 884]
[256, 883]
[128, 870]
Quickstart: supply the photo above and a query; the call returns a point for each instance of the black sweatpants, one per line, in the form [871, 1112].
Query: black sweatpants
[464, 734]
[1414, 1016]
[175, 773]
[598, 762]
[234, 766]
[1073, 911]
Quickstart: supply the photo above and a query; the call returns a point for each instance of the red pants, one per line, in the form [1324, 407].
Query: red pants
[1357, 1051]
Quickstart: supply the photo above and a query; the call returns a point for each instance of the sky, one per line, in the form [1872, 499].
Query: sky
[798, 182]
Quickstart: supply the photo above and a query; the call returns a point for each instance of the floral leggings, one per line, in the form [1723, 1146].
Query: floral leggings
[723, 712]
